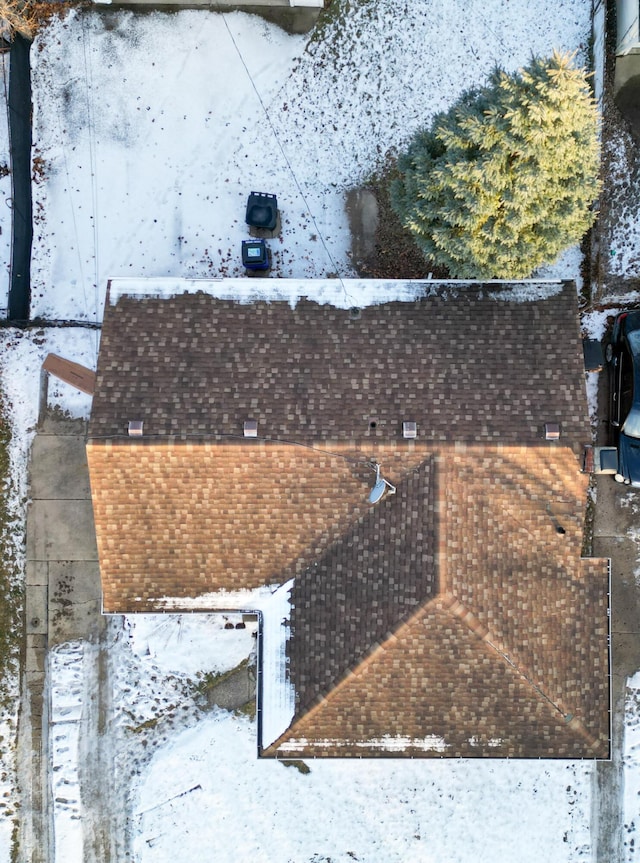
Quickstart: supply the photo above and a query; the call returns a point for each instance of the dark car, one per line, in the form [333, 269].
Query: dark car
[623, 356]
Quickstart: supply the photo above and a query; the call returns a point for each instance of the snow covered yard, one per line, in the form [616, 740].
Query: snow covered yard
[149, 139]
[632, 769]
[150, 131]
[618, 228]
[198, 787]
[206, 789]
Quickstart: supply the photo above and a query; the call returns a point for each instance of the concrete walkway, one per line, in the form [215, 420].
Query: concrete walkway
[298, 19]
[62, 602]
[614, 531]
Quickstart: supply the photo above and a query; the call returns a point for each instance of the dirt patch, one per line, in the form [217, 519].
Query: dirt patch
[231, 690]
[381, 248]
[619, 197]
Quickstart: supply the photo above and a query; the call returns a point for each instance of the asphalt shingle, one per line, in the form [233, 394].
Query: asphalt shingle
[451, 618]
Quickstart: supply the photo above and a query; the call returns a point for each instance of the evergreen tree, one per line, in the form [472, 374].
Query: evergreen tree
[505, 180]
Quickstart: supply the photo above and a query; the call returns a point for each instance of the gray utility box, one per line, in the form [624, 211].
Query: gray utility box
[600, 459]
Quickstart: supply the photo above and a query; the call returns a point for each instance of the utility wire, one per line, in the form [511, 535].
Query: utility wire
[285, 157]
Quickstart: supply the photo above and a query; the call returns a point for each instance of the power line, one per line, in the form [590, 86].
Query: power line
[284, 156]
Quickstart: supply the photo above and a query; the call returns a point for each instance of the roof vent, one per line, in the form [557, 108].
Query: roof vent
[250, 428]
[552, 431]
[135, 428]
[409, 430]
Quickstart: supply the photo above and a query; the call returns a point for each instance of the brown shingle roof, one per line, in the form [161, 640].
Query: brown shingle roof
[501, 516]
[466, 366]
[534, 620]
[448, 611]
[436, 689]
[363, 587]
[184, 519]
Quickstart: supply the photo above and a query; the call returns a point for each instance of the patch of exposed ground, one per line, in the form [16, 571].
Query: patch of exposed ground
[381, 248]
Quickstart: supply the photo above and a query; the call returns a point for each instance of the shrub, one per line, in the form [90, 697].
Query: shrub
[505, 180]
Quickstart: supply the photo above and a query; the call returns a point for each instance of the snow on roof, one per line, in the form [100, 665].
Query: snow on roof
[341, 293]
[387, 743]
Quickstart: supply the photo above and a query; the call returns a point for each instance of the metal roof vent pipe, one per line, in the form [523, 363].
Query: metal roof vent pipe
[135, 428]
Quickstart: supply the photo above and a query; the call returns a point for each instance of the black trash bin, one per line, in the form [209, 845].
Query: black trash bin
[262, 211]
[255, 255]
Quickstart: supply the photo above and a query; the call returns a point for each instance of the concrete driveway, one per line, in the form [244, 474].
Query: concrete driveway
[62, 602]
[616, 535]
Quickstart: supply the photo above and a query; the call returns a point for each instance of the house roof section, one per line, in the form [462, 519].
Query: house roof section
[454, 617]
[434, 689]
[473, 364]
[365, 585]
[181, 520]
[510, 637]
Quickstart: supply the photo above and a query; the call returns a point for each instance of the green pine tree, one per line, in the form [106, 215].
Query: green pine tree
[505, 180]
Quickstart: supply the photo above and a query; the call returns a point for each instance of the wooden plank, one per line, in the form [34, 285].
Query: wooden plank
[72, 373]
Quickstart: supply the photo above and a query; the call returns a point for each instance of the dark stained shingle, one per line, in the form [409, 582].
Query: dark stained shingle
[467, 367]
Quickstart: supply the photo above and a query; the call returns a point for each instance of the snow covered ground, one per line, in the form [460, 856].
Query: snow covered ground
[150, 131]
[619, 226]
[196, 795]
[21, 356]
[149, 139]
[203, 790]
[632, 770]
[621, 239]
